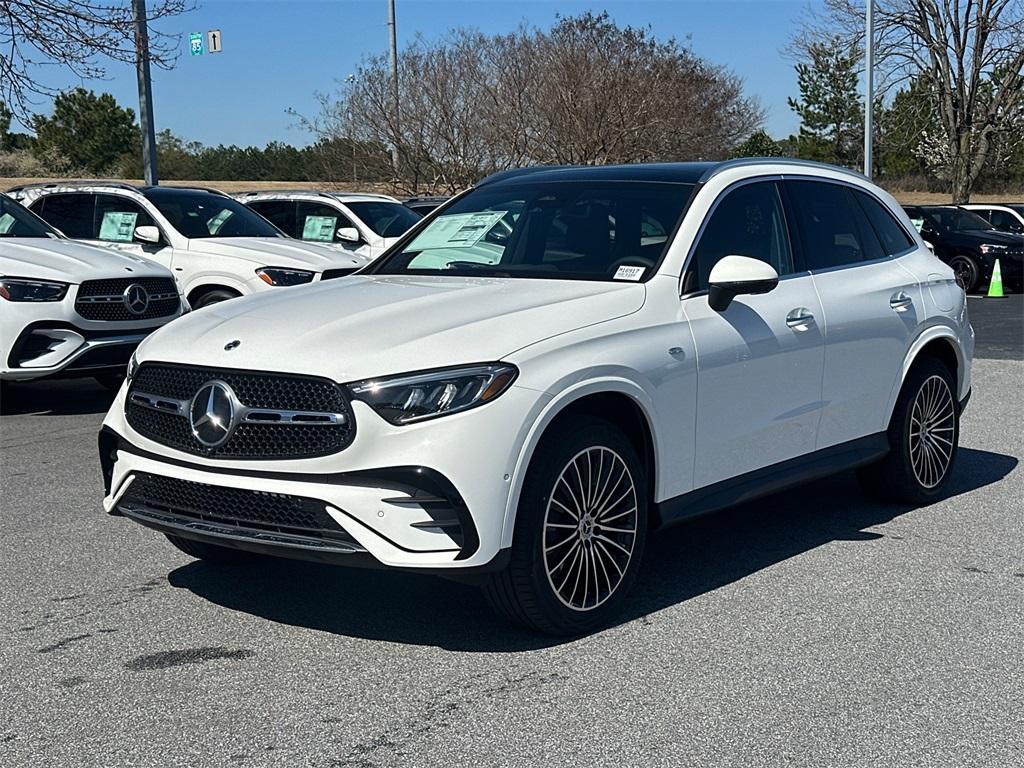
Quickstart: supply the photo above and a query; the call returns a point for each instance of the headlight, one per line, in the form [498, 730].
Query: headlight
[987, 249]
[420, 396]
[280, 276]
[20, 289]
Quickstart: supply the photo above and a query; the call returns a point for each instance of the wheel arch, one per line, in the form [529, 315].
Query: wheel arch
[198, 290]
[939, 343]
[619, 401]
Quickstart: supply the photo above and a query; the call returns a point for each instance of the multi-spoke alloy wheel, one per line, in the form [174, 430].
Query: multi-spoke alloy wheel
[590, 528]
[581, 526]
[932, 431]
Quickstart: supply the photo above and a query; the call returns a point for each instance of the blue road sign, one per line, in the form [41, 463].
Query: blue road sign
[195, 43]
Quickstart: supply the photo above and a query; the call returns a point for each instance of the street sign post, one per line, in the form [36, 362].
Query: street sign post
[214, 44]
[195, 43]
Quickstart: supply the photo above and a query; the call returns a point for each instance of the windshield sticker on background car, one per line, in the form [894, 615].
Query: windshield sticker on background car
[457, 230]
[118, 226]
[214, 225]
[319, 228]
[626, 272]
[918, 223]
[6, 222]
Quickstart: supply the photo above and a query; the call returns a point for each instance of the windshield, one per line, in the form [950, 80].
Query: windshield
[957, 219]
[565, 230]
[18, 221]
[385, 219]
[1018, 208]
[198, 214]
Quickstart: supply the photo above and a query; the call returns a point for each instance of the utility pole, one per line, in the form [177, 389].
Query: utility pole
[869, 85]
[394, 85]
[145, 92]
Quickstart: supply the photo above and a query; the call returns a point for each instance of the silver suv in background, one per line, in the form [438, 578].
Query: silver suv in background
[216, 247]
[361, 224]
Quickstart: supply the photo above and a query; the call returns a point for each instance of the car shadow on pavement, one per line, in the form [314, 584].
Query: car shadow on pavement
[682, 562]
[60, 397]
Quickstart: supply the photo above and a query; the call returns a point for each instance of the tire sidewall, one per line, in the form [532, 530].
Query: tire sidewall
[975, 270]
[551, 457]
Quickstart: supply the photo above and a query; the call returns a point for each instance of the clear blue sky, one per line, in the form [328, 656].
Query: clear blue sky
[278, 53]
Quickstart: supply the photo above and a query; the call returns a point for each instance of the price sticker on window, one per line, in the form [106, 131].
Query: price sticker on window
[319, 228]
[118, 226]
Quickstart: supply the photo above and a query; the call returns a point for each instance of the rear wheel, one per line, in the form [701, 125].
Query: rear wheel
[580, 531]
[966, 271]
[923, 434]
[211, 553]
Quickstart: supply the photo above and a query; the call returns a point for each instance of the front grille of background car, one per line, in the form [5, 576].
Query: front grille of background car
[163, 301]
[257, 390]
[237, 507]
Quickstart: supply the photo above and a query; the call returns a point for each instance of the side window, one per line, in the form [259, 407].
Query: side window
[117, 217]
[1004, 221]
[280, 213]
[316, 221]
[892, 236]
[834, 230]
[71, 213]
[749, 221]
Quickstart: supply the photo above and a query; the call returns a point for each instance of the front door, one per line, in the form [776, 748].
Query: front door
[759, 362]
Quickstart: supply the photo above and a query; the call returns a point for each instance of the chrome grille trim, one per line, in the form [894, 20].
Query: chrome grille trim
[245, 413]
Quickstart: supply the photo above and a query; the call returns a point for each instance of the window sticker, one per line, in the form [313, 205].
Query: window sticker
[319, 228]
[918, 224]
[6, 222]
[118, 226]
[214, 225]
[457, 230]
[626, 272]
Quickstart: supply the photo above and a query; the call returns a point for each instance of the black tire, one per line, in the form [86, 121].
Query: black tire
[211, 553]
[214, 297]
[967, 272]
[111, 381]
[898, 477]
[525, 591]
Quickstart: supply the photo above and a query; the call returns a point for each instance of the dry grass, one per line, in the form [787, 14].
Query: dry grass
[905, 197]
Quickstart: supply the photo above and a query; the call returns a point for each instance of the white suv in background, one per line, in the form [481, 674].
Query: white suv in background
[68, 309]
[560, 362]
[362, 224]
[1005, 218]
[216, 247]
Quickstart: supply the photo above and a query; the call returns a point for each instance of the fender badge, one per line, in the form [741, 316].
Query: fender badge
[231, 345]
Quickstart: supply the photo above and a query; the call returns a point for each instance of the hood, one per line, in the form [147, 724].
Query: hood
[367, 326]
[989, 236]
[278, 252]
[70, 262]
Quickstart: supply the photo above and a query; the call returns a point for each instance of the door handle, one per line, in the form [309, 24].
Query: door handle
[800, 319]
[900, 301]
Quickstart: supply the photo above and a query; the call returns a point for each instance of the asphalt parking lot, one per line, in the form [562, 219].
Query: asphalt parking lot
[812, 628]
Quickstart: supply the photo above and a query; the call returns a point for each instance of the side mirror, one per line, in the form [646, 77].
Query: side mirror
[734, 276]
[348, 235]
[147, 234]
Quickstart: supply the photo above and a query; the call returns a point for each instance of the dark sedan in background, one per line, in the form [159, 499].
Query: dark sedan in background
[969, 244]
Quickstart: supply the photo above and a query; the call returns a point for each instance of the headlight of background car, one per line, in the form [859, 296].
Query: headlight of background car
[21, 289]
[420, 396]
[280, 276]
[987, 249]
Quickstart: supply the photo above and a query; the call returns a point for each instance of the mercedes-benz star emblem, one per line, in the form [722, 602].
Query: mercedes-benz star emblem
[212, 413]
[136, 299]
[231, 345]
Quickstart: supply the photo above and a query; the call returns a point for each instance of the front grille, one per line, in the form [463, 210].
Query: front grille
[331, 274]
[235, 507]
[273, 391]
[104, 299]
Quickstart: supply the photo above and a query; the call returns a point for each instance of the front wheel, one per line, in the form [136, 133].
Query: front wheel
[580, 531]
[923, 435]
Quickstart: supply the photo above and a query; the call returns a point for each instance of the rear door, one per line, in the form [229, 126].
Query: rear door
[759, 362]
[871, 303]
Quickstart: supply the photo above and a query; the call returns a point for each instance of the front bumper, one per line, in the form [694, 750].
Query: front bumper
[64, 350]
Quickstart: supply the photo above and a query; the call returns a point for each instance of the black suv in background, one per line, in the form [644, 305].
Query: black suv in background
[969, 244]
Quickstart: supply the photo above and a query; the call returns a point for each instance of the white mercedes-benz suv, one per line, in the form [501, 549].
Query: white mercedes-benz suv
[216, 247]
[363, 224]
[549, 368]
[68, 309]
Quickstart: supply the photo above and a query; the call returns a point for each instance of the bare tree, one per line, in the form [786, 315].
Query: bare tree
[584, 92]
[969, 52]
[76, 35]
